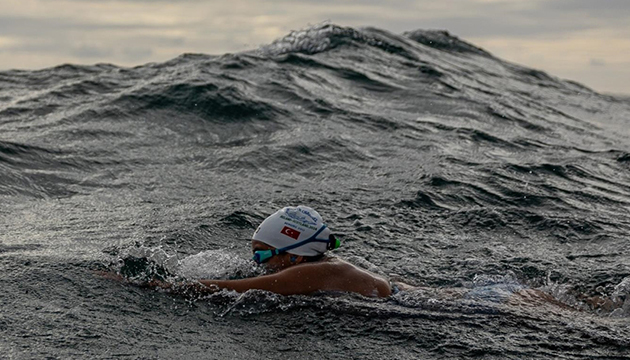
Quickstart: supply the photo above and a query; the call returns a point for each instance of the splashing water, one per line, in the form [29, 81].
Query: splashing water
[217, 264]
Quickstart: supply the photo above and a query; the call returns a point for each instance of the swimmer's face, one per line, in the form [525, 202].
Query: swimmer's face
[276, 262]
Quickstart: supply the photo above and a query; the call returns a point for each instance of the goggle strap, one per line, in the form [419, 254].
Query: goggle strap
[313, 238]
[331, 244]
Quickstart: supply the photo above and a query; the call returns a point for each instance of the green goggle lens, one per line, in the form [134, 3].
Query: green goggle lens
[333, 243]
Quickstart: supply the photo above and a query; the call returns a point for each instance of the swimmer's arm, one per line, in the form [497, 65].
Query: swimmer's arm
[281, 283]
[185, 288]
[273, 283]
[307, 279]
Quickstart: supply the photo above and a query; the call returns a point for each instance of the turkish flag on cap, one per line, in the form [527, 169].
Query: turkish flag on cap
[292, 233]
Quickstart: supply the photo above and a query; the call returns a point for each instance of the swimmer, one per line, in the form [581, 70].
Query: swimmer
[292, 244]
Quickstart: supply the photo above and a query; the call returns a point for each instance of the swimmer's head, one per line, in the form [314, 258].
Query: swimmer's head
[301, 226]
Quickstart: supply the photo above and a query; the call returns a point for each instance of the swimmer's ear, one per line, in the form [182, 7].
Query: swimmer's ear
[296, 259]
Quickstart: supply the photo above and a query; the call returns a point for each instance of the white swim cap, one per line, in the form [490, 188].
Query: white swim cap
[291, 225]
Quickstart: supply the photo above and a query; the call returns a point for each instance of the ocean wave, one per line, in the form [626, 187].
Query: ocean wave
[434, 161]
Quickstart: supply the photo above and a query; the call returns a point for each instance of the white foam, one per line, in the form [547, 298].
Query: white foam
[156, 255]
[623, 288]
[622, 293]
[216, 264]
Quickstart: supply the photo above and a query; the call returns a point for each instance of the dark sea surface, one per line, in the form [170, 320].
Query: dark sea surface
[436, 163]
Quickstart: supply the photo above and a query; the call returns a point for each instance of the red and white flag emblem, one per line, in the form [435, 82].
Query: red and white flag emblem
[292, 233]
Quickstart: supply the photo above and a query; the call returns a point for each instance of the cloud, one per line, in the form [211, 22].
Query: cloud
[597, 62]
[91, 52]
[137, 54]
[6, 42]
[491, 26]
[51, 27]
[551, 34]
[605, 9]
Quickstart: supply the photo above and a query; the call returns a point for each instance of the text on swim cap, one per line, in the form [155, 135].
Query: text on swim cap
[297, 222]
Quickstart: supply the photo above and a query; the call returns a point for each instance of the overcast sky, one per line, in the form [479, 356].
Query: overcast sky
[583, 40]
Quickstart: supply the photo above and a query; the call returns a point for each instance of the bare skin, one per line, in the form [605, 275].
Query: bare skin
[294, 275]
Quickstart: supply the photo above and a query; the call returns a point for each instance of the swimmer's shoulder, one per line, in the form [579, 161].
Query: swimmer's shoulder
[335, 274]
[328, 266]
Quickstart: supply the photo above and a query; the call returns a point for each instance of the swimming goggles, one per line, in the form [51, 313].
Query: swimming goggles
[262, 256]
